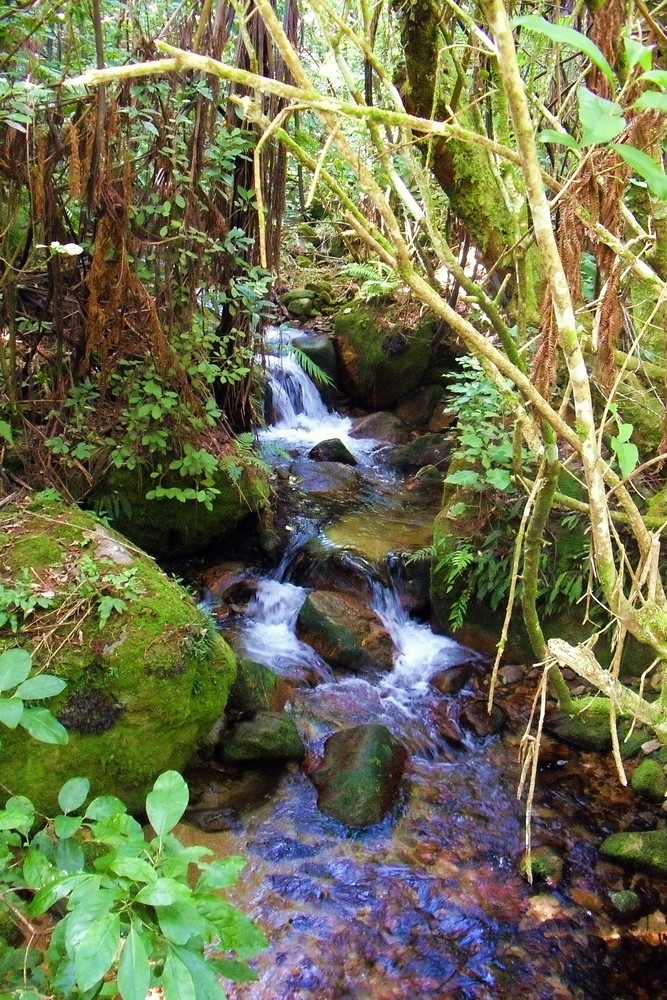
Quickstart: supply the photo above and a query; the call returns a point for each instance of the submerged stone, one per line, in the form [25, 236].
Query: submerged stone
[477, 719]
[360, 774]
[345, 632]
[326, 479]
[268, 736]
[381, 426]
[644, 851]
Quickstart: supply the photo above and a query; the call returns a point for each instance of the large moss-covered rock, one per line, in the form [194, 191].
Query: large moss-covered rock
[649, 781]
[169, 528]
[378, 363]
[144, 685]
[586, 725]
[360, 774]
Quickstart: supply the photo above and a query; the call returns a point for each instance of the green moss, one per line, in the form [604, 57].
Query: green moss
[35, 552]
[649, 781]
[141, 693]
[169, 528]
[644, 852]
[377, 362]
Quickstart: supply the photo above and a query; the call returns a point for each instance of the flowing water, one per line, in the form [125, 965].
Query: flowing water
[431, 902]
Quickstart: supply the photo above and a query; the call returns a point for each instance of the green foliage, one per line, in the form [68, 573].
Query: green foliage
[17, 687]
[484, 450]
[20, 600]
[627, 453]
[376, 279]
[312, 370]
[128, 917]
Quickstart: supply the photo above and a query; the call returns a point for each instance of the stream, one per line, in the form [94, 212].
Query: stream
[431, 902]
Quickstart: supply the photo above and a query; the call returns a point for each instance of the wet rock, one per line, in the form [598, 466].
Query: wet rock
[649, 781]
[447, 727]
[381, 426]
[452, 679]
[427, 449]
[332, 450]
[320, 566]
[378, 363]
[417, 409]
[217, 804]
[640, 851]
[475, 717]
[320, 351]
[545, 865]
[231, 586]
[626, 904]
[345, 632]
[360, 775]
[328, 479]
[269, 736]
[258, 688]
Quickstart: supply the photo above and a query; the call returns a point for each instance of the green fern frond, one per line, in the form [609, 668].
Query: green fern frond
[312, 370]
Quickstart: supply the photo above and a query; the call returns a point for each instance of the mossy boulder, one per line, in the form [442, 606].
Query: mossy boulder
[169, 528]
[644, 851]
[268, 736]
[145, 682]
[586, 726]
[649, 781]
[379, 362]
[360, 774]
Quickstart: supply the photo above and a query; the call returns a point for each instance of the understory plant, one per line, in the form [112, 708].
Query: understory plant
[94, 905]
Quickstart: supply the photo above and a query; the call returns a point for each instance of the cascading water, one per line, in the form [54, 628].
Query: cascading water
[431, 902]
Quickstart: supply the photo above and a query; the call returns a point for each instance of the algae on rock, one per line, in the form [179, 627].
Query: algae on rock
[144, 685]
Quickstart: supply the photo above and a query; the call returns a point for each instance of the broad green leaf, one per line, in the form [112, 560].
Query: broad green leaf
[235, 931]
[15, 665]
[42, 686]
[18, 814]
[66, 826]
[6, 431]
[567, 36]
[203, 973]
[238, 972]
[651, 99]
[134, 868]
[645, 167]
[464, 477]
[134, 973]
[499, 478]
[163, 892]
[11, 710]
[37, 869]
[167, 802]
[180, 921]
[177, 981]
[627, 455]
[50, 894]
[220, 874]
[658, 76]
[97, 951]
[601, 120]
[43, 726]
[105, 806]
[73, 794]
[69, 856]
[84, 912]
[637, 54]
[561, 138]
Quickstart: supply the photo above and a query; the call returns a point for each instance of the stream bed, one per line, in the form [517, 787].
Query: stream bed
[432, 901]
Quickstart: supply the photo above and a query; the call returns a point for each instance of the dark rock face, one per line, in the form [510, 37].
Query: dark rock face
[257, 688]
[332, 450]
[269, 736]
[451, 679]
[428, 449]
[360, 774]
[324, 567]
[345, 633]
[381, 426]
[326, 479]
[475, 717]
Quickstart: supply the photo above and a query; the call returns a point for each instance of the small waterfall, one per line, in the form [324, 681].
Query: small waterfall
[300, 419]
